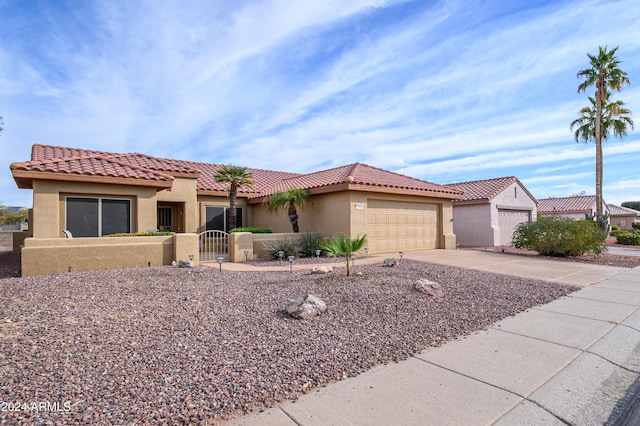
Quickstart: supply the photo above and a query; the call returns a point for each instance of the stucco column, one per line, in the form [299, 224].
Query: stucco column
[238, 243]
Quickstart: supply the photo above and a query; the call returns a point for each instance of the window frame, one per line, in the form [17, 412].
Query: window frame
[100, 211]
[225, 213]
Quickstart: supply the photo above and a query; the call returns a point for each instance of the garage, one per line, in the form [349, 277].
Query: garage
[508, 220]
[398, 225]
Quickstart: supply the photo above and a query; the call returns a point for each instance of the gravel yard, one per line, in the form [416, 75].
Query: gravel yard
[160, 345]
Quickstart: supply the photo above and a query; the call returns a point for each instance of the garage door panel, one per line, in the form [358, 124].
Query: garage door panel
[394, 226]
[508, 221]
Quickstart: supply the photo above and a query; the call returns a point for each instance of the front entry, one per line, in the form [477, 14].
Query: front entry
[171, 217]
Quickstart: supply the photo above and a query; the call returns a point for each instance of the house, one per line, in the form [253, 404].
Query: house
[94, 193]
[574, 207]
[623, 217]
[491, 210]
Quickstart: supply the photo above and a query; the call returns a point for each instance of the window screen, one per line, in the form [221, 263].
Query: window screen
[95, 217]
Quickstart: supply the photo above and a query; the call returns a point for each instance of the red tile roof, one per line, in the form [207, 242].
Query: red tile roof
[359, 174]
[575, 204]
[487, 189]
[622, 211]
[83, 163]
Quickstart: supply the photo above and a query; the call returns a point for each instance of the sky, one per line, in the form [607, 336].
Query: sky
[445, 91]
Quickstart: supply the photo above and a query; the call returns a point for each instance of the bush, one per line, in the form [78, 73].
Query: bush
[289, 247]
[309, 243]
[252, 229]
[636, 225]
[559, 236]
[628, 238]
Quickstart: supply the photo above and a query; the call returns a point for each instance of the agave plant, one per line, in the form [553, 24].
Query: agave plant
[343, 245]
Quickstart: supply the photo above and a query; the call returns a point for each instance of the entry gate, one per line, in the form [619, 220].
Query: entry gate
[213, 244]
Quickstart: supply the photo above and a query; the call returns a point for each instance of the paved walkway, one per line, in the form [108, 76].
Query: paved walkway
[566, 362]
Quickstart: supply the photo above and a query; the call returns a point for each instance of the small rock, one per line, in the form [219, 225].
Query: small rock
[185, 264]
[431, 288]
[389, 262]
[310, 307]
[322, 269]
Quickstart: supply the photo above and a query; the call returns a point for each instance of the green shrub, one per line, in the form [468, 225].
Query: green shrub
[309, 243]
[615, 228]
[616, 232]
[560, 236]
[636, 225]
[142, 234]
[628, 238]
[289, 247]
[252, 229]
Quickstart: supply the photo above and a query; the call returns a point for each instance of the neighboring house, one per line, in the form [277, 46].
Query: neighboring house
[16, 226]
[575, 207]
[93, 193]
[623, 217]
[491, 210]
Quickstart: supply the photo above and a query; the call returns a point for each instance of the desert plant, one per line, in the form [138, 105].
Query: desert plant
[628, 238]
[636, 225]
[142, 234]
[342, 245]
[288, 200]
[236, 177]
[601, 219]
[560, 236]
[309, 243]
[290, 247]
[252, 229]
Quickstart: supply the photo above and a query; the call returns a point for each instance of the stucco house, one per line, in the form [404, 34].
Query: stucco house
[490, 211]
[93, 193]
[574, 207]
[623, 217]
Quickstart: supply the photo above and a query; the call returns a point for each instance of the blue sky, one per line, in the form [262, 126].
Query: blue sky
[445, 91]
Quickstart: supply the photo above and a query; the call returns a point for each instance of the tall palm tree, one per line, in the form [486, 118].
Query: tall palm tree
[605, 75]
[614, 119]
[288, 200]
[237, 177]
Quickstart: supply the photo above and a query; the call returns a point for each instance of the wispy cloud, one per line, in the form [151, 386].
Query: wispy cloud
[446, 91]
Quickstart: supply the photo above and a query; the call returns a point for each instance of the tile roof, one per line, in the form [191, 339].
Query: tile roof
[487, 189]
[82, 163]
[359, 174]
[576, 204]
[622, 211]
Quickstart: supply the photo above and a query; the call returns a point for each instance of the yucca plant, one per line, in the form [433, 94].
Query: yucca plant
[343, 245]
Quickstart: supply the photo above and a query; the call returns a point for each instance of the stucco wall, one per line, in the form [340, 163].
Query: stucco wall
[49, 204]
[472, 225]
[183, 190]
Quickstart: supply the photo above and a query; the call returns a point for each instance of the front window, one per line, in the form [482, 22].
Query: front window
[96, 217]
[218, 218]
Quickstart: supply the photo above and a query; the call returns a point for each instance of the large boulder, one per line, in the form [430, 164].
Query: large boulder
[322, 269]
[431, 288]
[310, 307]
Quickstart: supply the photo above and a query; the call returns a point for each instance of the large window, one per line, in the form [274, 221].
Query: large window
[95, 217]
[218, 218]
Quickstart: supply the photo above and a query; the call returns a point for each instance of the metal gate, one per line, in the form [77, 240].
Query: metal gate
[213, 244]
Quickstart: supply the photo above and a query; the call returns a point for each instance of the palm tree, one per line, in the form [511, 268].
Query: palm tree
[615, 119]
[237, 177]
[343, 245]
[288, 200]
[604, 74]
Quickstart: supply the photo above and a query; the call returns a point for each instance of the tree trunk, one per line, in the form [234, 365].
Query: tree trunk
[600, 95]
[233, 194]
[293, 217]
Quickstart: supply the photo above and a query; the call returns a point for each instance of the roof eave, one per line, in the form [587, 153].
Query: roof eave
[24, 179]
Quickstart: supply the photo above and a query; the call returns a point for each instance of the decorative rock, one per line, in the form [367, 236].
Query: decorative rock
[322, 269]
[310, 307]
[389, 262]
[431, 288]
[185, 264]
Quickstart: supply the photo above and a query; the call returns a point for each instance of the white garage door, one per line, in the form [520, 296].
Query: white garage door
[508, 220]
[394, 226]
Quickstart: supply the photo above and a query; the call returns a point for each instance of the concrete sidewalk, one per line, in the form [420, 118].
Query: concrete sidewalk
[566, 362]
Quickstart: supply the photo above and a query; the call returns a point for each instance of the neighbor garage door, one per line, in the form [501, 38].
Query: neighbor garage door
[394, 226]
[508, 220]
